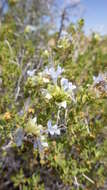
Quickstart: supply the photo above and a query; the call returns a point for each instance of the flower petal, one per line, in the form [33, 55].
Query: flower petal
[64, 84]
[57, 131]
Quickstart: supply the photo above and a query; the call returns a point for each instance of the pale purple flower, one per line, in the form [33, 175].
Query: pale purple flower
[21, 113]
[71, 86]
[66, 85]
[54, 74]
[40, 143]
[53, 129]
[19, 136]
[101, 78]
[46, 71]
[37, 144]
[98, 79]
[31, 73]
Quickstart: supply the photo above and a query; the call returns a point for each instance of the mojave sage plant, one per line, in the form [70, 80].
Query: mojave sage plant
[53, 135]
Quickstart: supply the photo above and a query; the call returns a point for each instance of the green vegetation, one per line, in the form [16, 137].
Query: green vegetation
[53, 110]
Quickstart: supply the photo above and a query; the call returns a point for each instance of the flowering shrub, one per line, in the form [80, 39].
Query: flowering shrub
[52, 117]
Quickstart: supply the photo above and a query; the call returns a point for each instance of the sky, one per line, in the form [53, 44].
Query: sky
[95, 15]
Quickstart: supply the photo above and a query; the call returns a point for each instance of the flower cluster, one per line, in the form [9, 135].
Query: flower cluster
[54, 74]
[100, 81]
[68, 87]
[53, 129]
[31, 73]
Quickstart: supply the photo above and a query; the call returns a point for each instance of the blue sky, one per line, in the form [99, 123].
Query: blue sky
[95, 15]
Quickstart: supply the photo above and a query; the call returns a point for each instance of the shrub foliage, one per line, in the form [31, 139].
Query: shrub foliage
[53, 111]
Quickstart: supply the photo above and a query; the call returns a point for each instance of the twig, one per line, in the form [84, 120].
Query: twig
[20, 63]
[62, 23]
[4, 185]
[88, 178]
[58, 117]
[86, 122]
[76, 182]
[66, 114]
[9, 145]
[19, 82]
[9, 46]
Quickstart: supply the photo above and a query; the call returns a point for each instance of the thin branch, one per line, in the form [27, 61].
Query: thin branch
[19, 81]
[62, 23]
[88, 178]
[76, 182]
[9, 46]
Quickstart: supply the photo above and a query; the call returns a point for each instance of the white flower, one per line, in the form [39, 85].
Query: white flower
[34, 120]
[63, 104]
[45, 80]
[54, 74]
[53, 130]
[46, 94]
[44, 144]
[43, 141]
[31, 73]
